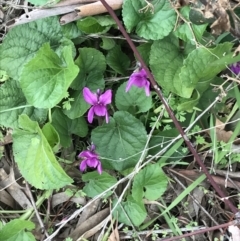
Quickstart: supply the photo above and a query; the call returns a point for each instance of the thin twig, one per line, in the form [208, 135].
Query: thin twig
[36, 211]
[199, 231]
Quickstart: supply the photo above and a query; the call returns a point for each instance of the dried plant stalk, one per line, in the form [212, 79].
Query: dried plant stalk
[97, 8]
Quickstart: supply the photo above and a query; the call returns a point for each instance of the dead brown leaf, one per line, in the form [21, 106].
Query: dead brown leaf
[222, 24]
[221, 134]
[89, 224]
[15, 190]
[93, 230]
[89, 211]
[218, 9]
[6, 198]
[62, 197]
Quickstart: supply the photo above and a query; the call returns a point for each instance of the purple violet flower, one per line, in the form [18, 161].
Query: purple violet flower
[90, 159]
[139, 79]
[235, 68]
[98, 102]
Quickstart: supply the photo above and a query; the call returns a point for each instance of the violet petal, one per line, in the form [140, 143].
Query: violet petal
[143, 73]
[147, 88]
[106, 98]
[99, 168]
[93, 162]
[100, 110]
[88, 154]
[91, 114]
[129, 84]
[235, 68]
[83, 165]
[83, 154]
[89, 97]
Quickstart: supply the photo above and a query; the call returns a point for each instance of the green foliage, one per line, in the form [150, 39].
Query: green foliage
[144, 50]
[71, 31]
[118, 60]
[45, 66]
[66, 127]
[35, 157]
[107, 43]
[188, 31]
[13, 103]
[51, 135]
[187, 73]
[150, 183]
[92, 64]
[13, 51]
[78, 107]
[3, 76]
[149, 25]
[200, 67]
[17, 230]
[121, 142]
[166, 61]
[134, 101]
[98, 24]
[97, 184]
[160, 140]
[130, 212]
[46, 78]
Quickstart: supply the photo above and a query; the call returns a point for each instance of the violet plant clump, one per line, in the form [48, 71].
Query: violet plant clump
[99, 103]
[140, 80]
[90, 159]
[128, 154]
